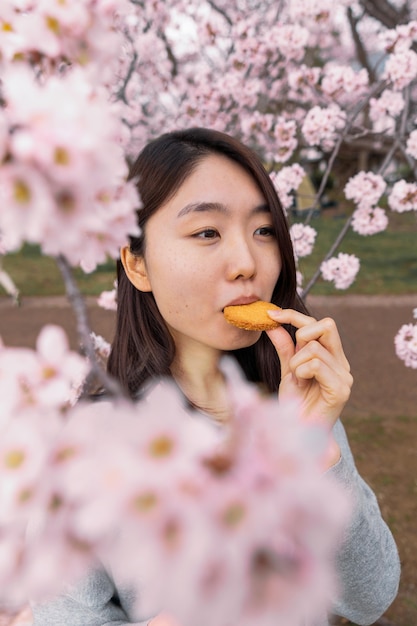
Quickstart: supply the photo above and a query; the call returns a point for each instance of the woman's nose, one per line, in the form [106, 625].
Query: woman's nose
[241, 260]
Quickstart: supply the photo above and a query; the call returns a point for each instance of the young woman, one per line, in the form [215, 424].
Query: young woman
[214, 234]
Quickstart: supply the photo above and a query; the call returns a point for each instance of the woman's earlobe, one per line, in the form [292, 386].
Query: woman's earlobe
[135, 269]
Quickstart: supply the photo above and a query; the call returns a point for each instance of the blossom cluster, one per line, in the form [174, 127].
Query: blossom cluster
[341, 269]
[42, 378]
[403, 197]
[108, 299]
[71, 197]
[365, 189]
[236, 523]
[286, 181]
[63, 169]
[322, 125]
[303, 238]
[405, 343]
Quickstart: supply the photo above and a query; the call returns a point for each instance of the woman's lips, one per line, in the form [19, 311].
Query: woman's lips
[242, 300]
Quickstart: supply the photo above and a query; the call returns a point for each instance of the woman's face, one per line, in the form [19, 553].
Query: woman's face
[211, 245]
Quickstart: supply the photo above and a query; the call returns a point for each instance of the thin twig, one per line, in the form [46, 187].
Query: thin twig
[330, 252]
[336, 149]
[338, 145]
[397, 144]
[83, 328]
[221, 11]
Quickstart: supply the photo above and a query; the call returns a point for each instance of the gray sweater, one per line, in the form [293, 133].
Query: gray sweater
[368, 568]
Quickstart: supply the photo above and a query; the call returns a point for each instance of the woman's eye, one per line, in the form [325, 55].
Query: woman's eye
[265, 231]
[207, 233]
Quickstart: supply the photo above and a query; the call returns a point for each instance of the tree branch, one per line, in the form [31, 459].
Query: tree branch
[221, 11]
[170, 53]
[84, 331]
[385, 12]
[360, 49]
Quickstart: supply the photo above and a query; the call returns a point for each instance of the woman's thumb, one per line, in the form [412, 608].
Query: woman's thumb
[284, 346]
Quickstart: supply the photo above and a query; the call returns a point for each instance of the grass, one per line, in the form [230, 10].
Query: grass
[388, 262]
[38, 275]
[388, 259]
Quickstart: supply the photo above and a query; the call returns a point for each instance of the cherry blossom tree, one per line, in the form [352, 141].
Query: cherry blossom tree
[83, 86]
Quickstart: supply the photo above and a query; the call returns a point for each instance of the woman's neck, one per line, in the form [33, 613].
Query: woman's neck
[202, 381]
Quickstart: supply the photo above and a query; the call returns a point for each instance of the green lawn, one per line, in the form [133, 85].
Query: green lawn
[37, 275]
[388, 259]
[388, 262]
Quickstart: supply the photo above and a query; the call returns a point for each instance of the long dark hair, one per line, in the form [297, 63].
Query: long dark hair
[143, 348]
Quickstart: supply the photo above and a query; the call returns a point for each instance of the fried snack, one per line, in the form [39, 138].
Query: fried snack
[252, 316]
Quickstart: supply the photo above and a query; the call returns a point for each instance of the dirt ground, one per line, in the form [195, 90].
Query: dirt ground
[381, 416]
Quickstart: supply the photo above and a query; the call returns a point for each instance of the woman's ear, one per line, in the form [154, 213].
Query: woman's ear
[135, 269]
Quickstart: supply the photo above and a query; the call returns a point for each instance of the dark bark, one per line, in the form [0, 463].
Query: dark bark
[386, 13]
[360, 48]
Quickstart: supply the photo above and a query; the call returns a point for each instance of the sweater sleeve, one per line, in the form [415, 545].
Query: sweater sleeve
[368, 564]
[93, 602]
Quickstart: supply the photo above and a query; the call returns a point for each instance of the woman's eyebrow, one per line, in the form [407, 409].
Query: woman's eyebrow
[199, 207]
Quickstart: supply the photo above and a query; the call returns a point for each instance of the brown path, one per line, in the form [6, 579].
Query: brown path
[367, 324]
[381, 416]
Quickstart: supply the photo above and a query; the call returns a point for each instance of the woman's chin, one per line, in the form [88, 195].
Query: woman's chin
[243, 339]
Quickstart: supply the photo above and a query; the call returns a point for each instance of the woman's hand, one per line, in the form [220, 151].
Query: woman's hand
[315, 371]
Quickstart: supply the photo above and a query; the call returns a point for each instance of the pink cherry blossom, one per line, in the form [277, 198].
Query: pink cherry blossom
[318, 13]
[369, 220]
[321, 125]
[291, 40]
[390, 103]
[201, 505]
[108, 299]
[286, 142]
[342, 270]
[287, 180]
[342, 81]
[412, 144]
[403, 197]
[406, 345]
[303, 81]
[70, 197]
[365, 189]
[401, 68]
[303, 238]
[400, 38]
[42, 378]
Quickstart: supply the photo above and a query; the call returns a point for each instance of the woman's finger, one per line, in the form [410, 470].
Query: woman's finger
[315, 350]
[309, 329]
[335, 388]
[284, 346]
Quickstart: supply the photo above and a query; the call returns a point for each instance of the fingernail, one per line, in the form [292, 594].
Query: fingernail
[275, 313]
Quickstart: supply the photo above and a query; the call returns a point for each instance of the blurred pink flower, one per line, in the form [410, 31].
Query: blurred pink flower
[389, 103]
[343, 83]
[365, 189]
[321, 125]
[39, 379]
[403, 197]
[286, 180]
[369, 220]
[108, 299]
[303, 238]
[342, 270]
[401, 68]
[406, 345]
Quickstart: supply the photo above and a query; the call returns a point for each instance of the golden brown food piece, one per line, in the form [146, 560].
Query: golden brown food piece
[252, 316]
